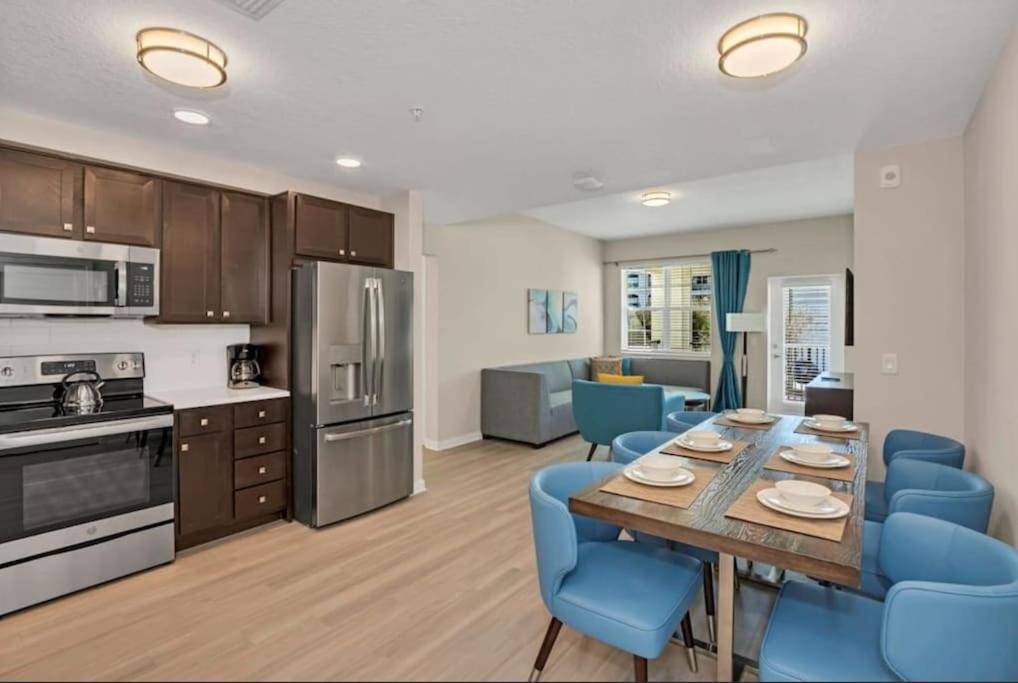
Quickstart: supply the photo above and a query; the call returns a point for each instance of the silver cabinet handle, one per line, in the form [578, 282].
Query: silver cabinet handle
[68, 227]
[210, 314]
[226, 314]
[262, 470]
[365, 432]
[61, 434]
[90, 229]
[261, 439]
[261, 499]
[184, 448]
[261, 414]
[204, 422]
[380, 312]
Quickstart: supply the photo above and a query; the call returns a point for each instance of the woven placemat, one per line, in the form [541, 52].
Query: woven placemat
[677, 496]
[779, 464]
[847, 436]
[724, 457]
[748, 509]
[726, 421]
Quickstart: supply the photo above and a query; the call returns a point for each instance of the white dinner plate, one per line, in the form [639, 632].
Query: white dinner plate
[763, 420]
[832, 508]
[834, 462]
[720, 447]
[682, 477]
[847, 427]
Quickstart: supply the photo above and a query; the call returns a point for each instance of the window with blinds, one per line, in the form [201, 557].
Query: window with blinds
[806, 315]
[667, 308]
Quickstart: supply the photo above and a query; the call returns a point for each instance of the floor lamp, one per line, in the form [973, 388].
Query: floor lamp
[745, 323]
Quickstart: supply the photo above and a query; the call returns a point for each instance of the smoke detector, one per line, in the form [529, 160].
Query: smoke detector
[253, 9]
[585, 182]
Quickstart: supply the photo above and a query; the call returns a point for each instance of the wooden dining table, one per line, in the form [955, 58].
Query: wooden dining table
[705, 525]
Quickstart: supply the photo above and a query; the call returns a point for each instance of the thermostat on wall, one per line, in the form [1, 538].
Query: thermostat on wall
[890, 176]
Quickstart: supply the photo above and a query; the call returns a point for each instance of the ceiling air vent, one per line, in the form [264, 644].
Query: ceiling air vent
[253, 9]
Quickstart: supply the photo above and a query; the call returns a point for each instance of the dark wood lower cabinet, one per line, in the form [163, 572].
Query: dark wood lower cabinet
[231, 477]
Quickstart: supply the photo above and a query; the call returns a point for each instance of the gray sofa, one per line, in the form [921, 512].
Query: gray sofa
[533, 403]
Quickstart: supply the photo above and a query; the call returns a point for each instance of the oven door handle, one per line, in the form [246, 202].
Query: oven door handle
[89, 431]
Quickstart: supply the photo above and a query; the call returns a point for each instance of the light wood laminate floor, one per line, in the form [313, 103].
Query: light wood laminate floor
[441, 586]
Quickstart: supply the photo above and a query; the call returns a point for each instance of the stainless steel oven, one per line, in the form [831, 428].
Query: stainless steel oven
[46, 276]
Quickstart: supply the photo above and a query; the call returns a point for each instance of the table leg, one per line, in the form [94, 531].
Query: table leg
[726, 616]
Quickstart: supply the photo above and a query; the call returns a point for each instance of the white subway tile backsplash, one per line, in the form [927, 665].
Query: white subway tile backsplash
[176, 356]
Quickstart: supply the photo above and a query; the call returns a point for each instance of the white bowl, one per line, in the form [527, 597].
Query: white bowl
[700, 437]
[813, 452]
[830, 421]
[750, 412]
[802, 494]
[659, 466]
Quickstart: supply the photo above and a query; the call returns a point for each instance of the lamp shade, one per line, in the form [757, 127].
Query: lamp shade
[746, 322]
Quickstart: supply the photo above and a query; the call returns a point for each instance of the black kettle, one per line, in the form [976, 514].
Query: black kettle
[82, 395]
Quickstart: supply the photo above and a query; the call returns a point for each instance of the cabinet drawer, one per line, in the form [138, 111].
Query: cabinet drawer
[205, 420]
[259, 500]
[259, 470]
[258, 440]
[259, 413]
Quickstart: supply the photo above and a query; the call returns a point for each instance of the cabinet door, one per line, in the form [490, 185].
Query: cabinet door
[121, 206]
[39, 195]
[190, 254]
[321, 228]
[244, 259]
[371, 237]
[205, 471]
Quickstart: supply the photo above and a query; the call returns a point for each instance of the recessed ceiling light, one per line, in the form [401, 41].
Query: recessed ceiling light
[181, 57]
[656, 198]
[762, 45]
[195, 118]
[349, 162]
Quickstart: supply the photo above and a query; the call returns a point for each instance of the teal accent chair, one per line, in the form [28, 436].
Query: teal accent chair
[604, 411]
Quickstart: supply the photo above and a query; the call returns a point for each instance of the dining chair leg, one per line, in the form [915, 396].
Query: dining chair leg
[687, 638]
[590, 454]
[640, 668]
[708, 603]
[542, 656]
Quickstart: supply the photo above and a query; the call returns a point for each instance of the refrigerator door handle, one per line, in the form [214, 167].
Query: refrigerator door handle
[368, 359]
[380, 347]
[343, 436]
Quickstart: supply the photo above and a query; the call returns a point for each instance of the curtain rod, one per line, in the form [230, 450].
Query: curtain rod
[616, 262]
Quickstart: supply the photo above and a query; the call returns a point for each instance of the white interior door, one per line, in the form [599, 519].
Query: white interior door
[805, 336]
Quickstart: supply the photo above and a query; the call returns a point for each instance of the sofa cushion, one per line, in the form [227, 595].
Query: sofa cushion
[609, 365]
[580, 368]
[560, 377]
[620, 379]
[560, 398]
[679, 372]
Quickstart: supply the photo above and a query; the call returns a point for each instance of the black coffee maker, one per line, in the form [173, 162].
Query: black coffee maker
[242, 362]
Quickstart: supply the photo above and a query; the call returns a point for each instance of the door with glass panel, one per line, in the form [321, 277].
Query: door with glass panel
[805, 338]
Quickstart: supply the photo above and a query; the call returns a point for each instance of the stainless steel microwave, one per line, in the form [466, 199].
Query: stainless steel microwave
[42, 276]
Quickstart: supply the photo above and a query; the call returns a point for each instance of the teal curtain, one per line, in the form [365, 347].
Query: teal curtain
[731, 276]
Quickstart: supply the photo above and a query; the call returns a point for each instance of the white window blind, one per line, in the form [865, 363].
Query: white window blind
[667, 308]
[806, 311]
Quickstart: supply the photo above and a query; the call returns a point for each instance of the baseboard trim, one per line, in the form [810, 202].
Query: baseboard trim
[455, 441]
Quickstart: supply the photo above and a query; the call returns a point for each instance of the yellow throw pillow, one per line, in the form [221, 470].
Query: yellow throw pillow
[620, 379]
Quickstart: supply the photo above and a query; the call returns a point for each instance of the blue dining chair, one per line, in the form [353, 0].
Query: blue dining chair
[603, 411]
[913, 445]
[928, 489]
[629, 446]
[633, 596]
[684, 420]
[951, 614]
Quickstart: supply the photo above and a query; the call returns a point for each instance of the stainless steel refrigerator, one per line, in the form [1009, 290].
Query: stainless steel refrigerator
[352, 385]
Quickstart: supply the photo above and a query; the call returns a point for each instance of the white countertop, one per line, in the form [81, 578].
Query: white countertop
[213, 396]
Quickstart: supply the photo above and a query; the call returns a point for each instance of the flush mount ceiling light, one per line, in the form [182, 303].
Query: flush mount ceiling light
[349, 162]
[195, 118]
[762, 45]
[656, 198]
[181, 57]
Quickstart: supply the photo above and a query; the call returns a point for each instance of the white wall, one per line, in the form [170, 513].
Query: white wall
[486, 268]
[991, 291]
[816, 246]
[909, 291]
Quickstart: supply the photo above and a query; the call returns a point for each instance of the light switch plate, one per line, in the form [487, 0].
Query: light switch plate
[889, 364]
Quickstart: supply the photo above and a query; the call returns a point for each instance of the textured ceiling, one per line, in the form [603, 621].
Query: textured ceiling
[518, 96]
[780, 193]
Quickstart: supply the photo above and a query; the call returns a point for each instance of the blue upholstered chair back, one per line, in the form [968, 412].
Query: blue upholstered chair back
[906, 443]
[557, 532]
[684, 420]
[603, 411]
[952, 613]
[940, 491]
[629, 446]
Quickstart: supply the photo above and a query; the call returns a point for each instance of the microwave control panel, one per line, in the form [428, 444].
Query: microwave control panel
[140, 284]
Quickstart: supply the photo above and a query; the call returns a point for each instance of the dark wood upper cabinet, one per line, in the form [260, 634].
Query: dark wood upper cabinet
[190, 254]
[321, 228]
[39, 195]
[205, 476]
[371, 237]
[121, 206]
[244, 259]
